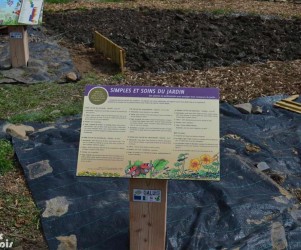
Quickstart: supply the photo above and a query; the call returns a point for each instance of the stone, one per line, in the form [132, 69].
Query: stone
[45, 129]
[296, 214]
[4, 125]
[71, 77]
[278, 237]
[39, 169]
[252, 148]
[19, 131]
[230, 151]
[245, 108]
[57, 207]
[67, 242]
[256, 110]
[262, 166]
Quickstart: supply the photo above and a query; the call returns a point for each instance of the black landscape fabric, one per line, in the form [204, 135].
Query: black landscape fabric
[247, 209]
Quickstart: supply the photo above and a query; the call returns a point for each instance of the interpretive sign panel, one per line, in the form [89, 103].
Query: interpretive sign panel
[150, 132]
[20, 12]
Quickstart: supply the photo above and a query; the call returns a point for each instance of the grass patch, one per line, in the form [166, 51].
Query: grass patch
[6, 156]
[44, 102]
[221, 11]
[119, 77]
[40, 102]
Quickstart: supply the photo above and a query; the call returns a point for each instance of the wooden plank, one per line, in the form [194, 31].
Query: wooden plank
[288, 106]
[291, 98]
[291, 102]
[109, 49]
[121, 59]
[18, 42]
[148, 219]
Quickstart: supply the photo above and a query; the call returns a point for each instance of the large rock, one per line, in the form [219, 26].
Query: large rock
[71, 77]
[19, 131]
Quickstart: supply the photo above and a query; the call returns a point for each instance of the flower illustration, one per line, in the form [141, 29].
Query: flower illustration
[195, 164]
[206, 159]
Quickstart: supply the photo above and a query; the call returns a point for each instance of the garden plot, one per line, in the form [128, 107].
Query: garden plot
[172, 40]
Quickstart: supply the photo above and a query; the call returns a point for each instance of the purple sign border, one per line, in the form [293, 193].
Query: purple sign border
[157, 92]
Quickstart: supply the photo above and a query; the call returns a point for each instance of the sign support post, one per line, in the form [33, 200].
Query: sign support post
[147, 218]
[18, 41]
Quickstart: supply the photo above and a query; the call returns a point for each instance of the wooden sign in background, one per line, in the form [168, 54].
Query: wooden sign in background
[18, 42]
[17, 14]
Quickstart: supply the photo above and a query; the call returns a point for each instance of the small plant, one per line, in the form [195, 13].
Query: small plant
[118, 77]
[6, 156]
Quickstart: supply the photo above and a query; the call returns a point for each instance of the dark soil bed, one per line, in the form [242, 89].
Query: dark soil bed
[167, 40]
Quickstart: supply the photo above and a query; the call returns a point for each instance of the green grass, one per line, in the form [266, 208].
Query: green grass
[6, 156]
[40, 102]
[45, 102]
[221, 11]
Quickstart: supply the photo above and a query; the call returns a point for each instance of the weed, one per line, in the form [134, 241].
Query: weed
[118, 77]
[6, 156]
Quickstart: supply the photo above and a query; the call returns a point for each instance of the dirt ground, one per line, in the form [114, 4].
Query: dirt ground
[16, 211]
[246, 56]
[162, 41]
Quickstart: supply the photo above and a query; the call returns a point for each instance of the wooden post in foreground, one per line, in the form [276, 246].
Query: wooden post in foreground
[148, 216]
[18, 42]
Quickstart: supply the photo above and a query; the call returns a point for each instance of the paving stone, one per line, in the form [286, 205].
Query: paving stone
[245, 108]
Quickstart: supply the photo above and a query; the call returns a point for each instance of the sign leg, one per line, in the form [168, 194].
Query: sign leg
[147, 217]
[18, 42]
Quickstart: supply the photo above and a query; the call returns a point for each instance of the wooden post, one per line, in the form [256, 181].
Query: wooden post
[147, 219]
[121, 59]
[18, 42]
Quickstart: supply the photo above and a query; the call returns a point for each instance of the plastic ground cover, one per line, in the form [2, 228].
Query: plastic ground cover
[247, 209]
